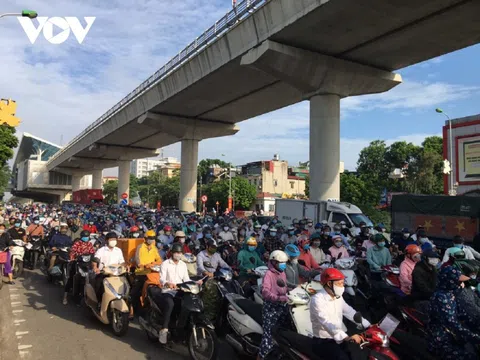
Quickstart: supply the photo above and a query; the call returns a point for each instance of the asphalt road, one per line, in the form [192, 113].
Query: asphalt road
[34, 324]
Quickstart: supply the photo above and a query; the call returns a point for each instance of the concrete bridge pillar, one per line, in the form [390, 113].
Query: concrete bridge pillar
[188, 176]
[324, 147]
[123, 179]
[97, 179]
[76, 182]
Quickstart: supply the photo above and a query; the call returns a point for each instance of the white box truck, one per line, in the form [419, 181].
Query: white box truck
[331, 211]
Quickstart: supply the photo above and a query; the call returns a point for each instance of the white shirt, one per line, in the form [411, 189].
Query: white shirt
[173, 273]
[470, 254]
[326, 314]
[109, 256]
[226, 235]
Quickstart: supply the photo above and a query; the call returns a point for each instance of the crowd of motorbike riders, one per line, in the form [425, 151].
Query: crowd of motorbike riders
[441, 284]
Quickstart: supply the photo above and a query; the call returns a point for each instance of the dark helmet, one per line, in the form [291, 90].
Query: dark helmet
[111, 235]
[176, 247]
[85, 233]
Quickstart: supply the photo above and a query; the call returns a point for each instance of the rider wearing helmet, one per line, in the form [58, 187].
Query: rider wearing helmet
[424, 278]
[413, 255]
[60, 239]
[378, 256]
[148, 255]
[134, 232]
[466, 297]
[274, 292]
[294, 271]
[327, 308]
[459, 243]
[248, 259]
[166, 238]
[305, 255]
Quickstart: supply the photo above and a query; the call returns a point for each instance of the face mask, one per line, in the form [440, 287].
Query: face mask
[309, 225]
[337, 232]
[199, 231]
[338, 244]
[136, 235]
[282, 267]
[339, 290]
[274, 221]
[433, 261]
[306, 247]
[85, 238]
[36, 222]
[473, 277]
[17, 225]
[91, 222]
[406, 235]
[150, 241]
[208, 236]
[381, 244]
[423, 240]
[112, 243]
[291, 232]
[252, 248]
[460, 246]
[177, 256]
[182, 240]
[294, 261]
[273, 234]
[225, 228]
[316, 244]
[326, 233]
[167, 233]
[417, 257]
[212, 251]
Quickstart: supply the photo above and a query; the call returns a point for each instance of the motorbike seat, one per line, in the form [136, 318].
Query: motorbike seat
[252, 309]
[301, 342]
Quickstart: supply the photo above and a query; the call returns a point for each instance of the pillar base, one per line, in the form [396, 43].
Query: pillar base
[123, 180]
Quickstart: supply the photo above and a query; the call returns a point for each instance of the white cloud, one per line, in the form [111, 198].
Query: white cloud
[61, 89]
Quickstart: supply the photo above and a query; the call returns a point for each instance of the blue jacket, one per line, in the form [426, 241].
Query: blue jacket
[60, 240]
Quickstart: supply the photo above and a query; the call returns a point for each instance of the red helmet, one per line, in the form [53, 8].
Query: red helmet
[413, 249]
[167, 228]
[134, 229]
[331, 274]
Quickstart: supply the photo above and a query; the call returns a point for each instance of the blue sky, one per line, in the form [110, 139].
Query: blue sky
[61, 89]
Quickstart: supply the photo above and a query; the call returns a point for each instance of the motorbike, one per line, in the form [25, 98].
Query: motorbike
[35, 251]
[257, 289]
[3, 260]
[83, 266]
[190, 323]
[191, 261]
[59, 272]
[347, 267]
[113, 308]
[17, 255]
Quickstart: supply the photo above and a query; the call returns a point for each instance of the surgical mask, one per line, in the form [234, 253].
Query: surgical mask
[339, 290]
[417, 257]
[182, 240]
[316, 244]
[112, 243]
[17, 224]
[406, 235]
[85, 238]
[274, 221]
[273, 234]
[208, 236]
[338, 244]
[91, 222]
[294, 261]
[473, 277]
[337, 232]
[36, 222]
[423, 240]
[306, 247]
[381, 244]
[433, 261]
[291, 232]
[136, 235]
[150, 241]
[460, 246]
[282, 267]
[327, 233]
[225, 228]
[252, 248]
[177, 256]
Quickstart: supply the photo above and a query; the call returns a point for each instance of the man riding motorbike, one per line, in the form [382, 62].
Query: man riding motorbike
[60, 239]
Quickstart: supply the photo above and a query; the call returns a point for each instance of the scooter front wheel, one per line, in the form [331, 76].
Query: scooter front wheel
[119, 322]
[203, 343]
[17, 269]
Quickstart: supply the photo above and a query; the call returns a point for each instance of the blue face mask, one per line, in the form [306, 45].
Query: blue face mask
[306, 247]
[252, 248]
[208, 236]
[291, 232]
[337, 232]
[282, 267]
[85, 239]
[460, 246]
[273, 234]
[381, 244]
[17, 224]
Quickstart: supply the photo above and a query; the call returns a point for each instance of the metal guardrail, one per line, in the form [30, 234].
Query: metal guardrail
[241, 11]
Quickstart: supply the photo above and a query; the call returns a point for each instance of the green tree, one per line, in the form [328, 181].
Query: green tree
[244, 193]
[109, 191]
[5, 176]
[8, 142]
[133, 186]
[433, 144]
[372, 164]
[206, 164]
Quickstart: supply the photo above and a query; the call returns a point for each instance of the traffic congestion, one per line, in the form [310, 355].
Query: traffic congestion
[298, 290]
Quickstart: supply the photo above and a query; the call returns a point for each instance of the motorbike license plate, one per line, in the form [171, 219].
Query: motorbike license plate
[28, 246]
[389, 324]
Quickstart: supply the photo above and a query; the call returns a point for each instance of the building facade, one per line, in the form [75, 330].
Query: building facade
[142, 167]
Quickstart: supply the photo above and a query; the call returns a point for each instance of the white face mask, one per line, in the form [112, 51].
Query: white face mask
[177, 256]
[225, 228]
[112, 243]
[182, 240]
[433, 261]
[136, 235]
[339, 290]
[294, 261]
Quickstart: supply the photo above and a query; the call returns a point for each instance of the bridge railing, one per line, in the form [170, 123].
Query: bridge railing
[241, 11]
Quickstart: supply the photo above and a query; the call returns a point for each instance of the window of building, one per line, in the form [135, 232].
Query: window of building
[255, 182]
[271, 208]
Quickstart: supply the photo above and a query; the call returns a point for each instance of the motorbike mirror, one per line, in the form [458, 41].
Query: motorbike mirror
[281, 283]
[339, 256]
[358, 318]
[252, 260]
[302, 262]
[207, 264]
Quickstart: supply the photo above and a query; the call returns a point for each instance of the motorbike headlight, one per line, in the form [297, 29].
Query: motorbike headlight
[114, 270]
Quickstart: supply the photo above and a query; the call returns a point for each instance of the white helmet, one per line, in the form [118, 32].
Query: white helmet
[279, 255]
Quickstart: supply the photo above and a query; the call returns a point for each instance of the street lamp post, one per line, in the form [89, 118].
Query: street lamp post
[452, 191]
[25, 13]
[230, 198]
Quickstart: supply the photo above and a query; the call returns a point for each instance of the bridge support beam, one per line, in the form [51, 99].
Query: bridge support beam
[76, 182]
[323, 80]
[188, 175]
[123, 179]
[97, 180]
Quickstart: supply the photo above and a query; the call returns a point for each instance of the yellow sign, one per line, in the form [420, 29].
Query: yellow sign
[8, 109]
[471, 159]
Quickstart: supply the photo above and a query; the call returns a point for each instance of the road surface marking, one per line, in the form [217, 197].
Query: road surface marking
[16, 303]
[21, 333]
[23, 353]
[18, 321]
[23, 347]
[17, 311]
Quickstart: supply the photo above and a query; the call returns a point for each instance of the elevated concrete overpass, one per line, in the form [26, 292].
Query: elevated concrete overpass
[281, 53]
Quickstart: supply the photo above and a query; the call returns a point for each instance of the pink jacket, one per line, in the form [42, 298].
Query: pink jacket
[406, 270]
[270, 289]
[335, 251]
